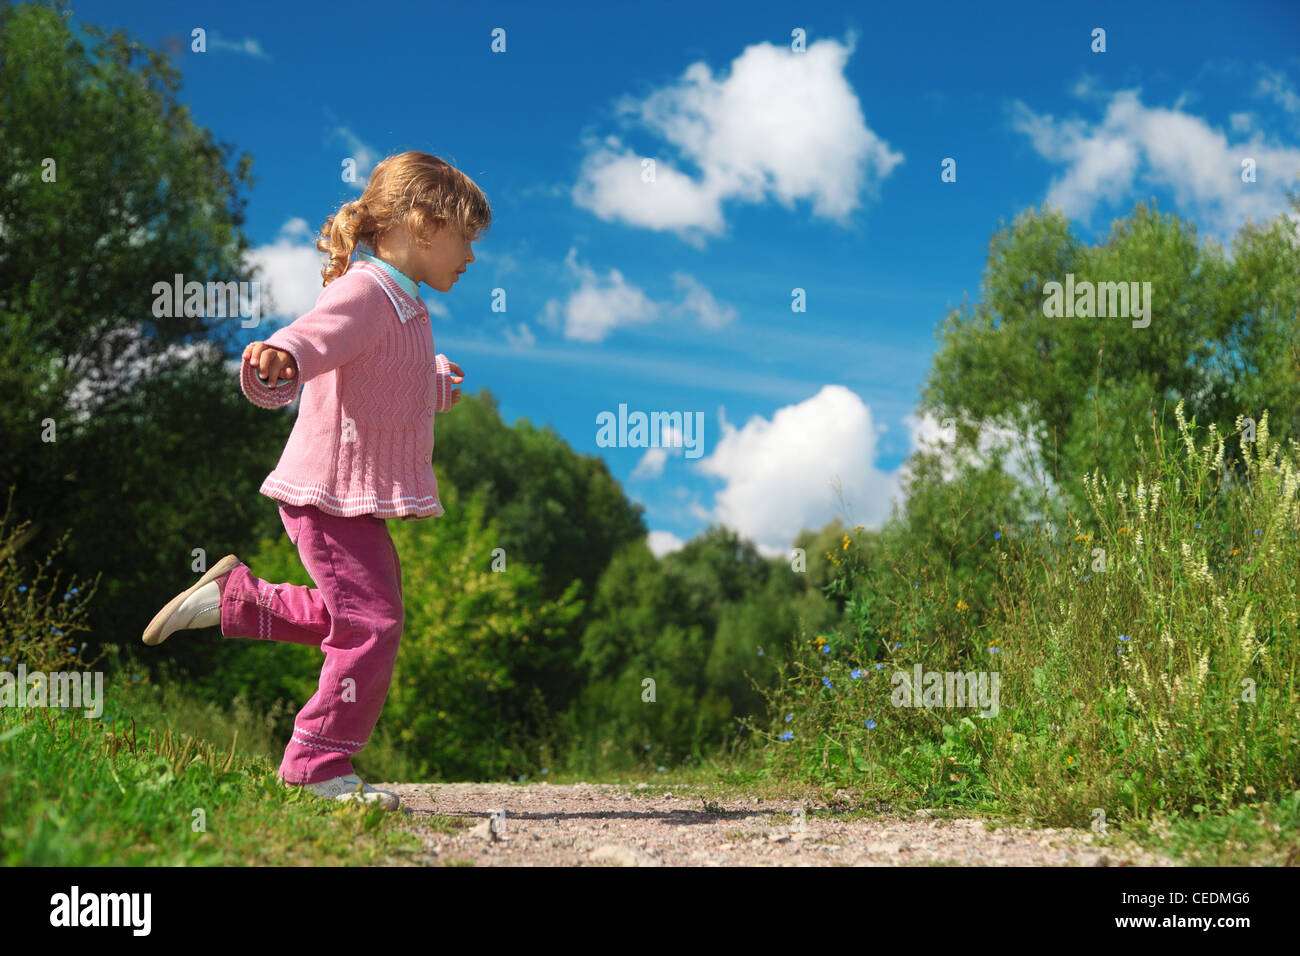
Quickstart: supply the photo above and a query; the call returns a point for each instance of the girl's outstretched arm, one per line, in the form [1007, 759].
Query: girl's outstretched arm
[333, 333]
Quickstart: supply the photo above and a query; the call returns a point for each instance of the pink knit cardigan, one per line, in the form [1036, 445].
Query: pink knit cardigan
[371, 384]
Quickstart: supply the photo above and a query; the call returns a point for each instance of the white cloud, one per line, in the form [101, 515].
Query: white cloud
[601, 304]
[524, 338]
[779, 124]
[290, 269]
[782, 475]
[699, 301]
[247, 46]
[652, 462]
[662, 542]
[1276, 85]
[1170, 149]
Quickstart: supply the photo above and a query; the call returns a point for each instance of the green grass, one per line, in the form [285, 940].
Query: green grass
[129, 789]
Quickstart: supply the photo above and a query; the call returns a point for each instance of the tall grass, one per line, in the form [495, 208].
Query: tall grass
[1146, 652]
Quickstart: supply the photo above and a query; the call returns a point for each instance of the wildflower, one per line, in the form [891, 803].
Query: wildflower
[1198, 524]
[1234, 552]
[1087, 579]
[545, 771]
[855, 673]
[819, 640]
[21, 588]
[880, 667]
[870, 724]
[994, 650]
[66, 596]
[826, 648]
[73, 591]
[135, 677]
[997, 534]
[1257, 531]
[963, 606]
[846, 543]
[1081, 537]
[897, 644]
[1123, 637]
[760, 652]
[915, 586]
[826, 681]
[661, 768]
[1070, 759]
[788, 735]
[789, 717]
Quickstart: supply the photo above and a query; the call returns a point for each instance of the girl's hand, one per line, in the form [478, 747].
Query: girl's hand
[271, 363]
[457, 376]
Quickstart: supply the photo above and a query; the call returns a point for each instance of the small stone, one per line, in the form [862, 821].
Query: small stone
[614, 854]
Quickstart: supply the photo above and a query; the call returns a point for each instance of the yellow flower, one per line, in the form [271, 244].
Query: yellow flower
[1070, 759]
[1125, 531]
[1081, 537]
[963, 606]
[1234, 552]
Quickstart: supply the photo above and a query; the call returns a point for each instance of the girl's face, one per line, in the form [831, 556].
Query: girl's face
[440, 263]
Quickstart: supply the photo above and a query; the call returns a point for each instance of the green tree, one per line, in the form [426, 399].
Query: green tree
[118, 424]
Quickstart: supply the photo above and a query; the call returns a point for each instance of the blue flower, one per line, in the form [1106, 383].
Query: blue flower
[73, 591]
[788, 735]
[661, 768]
[1198, 524]
[4, 660]
[1257, 531]
[135, 677]
[997, 534]
[545, 771]
[760, 652]
[855, 673]
[1123, 637]
[1088, 578]
[897, 644]
[915, 586]
[870, 724]
[995, 650]
[826, 681]
[72, 650]
[826, 648]
[66, 596]
[789, 717]
[880, 667]
[647, 746]
[21, 588]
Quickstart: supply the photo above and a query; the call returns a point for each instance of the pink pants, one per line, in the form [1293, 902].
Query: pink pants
[355, 617]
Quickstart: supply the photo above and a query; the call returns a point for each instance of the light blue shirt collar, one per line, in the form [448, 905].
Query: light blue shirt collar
[407, 284]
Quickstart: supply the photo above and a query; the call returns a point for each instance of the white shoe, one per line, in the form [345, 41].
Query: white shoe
[353, 787]
[197, 606]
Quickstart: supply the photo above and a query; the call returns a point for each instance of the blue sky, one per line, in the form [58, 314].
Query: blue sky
[775, 170]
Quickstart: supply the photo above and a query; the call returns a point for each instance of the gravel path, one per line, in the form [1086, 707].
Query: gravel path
[586, 824]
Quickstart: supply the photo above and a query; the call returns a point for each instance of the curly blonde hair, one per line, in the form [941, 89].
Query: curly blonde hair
[418, 190]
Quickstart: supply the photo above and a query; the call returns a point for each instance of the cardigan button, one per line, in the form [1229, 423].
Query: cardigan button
[428, 412]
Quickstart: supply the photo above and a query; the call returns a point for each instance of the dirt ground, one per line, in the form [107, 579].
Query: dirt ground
[587, 824]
